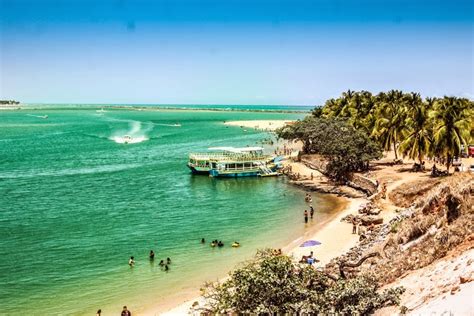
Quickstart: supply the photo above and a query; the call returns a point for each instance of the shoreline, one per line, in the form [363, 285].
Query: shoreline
[157, 108]
[324, 232]
[335, 235]
[262, 125]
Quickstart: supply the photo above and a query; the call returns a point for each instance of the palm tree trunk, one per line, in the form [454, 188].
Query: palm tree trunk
[395, 149]
[448, 162]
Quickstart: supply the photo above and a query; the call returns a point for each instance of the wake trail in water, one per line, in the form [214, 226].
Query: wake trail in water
[169, 125]
[38, 116]
[136, 133]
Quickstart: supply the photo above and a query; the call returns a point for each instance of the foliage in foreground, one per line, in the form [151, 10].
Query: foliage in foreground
[274, 284]
[345, 148]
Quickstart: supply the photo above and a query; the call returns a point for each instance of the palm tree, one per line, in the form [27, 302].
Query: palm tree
[389, 122]
[453, 124]
[417, 140]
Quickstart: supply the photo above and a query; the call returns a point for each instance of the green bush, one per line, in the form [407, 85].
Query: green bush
[274, 284]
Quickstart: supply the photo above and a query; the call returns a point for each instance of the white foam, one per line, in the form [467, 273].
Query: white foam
[126, 140]
[135, 134]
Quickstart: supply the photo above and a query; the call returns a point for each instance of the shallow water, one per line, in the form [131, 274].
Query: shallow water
[75, 205]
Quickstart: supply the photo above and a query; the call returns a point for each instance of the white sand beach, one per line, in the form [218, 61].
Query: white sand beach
[267, 125]
[335, 236]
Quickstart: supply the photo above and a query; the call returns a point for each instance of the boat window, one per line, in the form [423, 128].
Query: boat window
[248, 165]
[214, 165]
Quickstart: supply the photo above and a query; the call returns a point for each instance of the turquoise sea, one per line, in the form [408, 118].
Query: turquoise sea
[75, 205]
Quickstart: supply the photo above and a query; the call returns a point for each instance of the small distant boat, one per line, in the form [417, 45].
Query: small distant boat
[234, 162]
[177, 125]
[127, 139]
[101, 110]
[44, 117]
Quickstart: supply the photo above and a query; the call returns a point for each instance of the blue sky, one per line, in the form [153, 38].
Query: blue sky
[232, 52]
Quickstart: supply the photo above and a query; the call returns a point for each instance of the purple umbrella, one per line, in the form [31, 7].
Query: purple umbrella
[310, 243]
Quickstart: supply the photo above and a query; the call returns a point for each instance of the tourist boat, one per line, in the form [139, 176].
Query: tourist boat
[233, 162]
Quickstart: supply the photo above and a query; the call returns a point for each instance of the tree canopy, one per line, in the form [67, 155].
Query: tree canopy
[406, 123]
[345, 148]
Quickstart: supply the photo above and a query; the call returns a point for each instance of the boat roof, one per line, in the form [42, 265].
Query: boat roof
[236, 150]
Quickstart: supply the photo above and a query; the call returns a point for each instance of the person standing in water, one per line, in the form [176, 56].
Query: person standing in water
[152, 255]
[131, 262]
[125, 312]
[306, 216]
[99, 312]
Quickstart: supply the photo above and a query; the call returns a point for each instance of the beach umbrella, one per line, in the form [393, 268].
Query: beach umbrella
[310, 243]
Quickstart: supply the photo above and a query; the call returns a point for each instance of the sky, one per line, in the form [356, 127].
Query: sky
[290, 52]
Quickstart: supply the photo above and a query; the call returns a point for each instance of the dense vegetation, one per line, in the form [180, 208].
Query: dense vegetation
[274, 284]
[345, 148]
[404, 122]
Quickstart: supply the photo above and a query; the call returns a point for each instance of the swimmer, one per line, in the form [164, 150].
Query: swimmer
[236, 244]
[131, 262]
[203, 241]
[166, 267]
[168, 260]
[162, 263]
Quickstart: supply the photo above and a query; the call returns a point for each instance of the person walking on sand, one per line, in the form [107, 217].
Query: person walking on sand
[306, 216]
[311, 211]
[354, 226]
[99, 313]
[125, 312]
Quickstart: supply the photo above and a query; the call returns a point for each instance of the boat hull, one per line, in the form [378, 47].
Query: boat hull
[215, 173]
[197, 171]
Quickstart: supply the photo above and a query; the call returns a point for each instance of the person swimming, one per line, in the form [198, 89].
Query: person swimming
[203, 241]
[220, 244]
[236, 244]
[166, 267]
[213, 243]
[162, 263]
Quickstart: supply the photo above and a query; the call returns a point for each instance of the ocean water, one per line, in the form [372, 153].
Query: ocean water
[75, 205]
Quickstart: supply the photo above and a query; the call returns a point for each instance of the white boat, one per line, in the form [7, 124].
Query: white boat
[233, 162]
[101, 110]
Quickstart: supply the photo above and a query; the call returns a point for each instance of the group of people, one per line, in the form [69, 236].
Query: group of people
[219, 243]
[277, 252]
[125, 312]
[164, 264]
[309, 259]
[308, 199]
